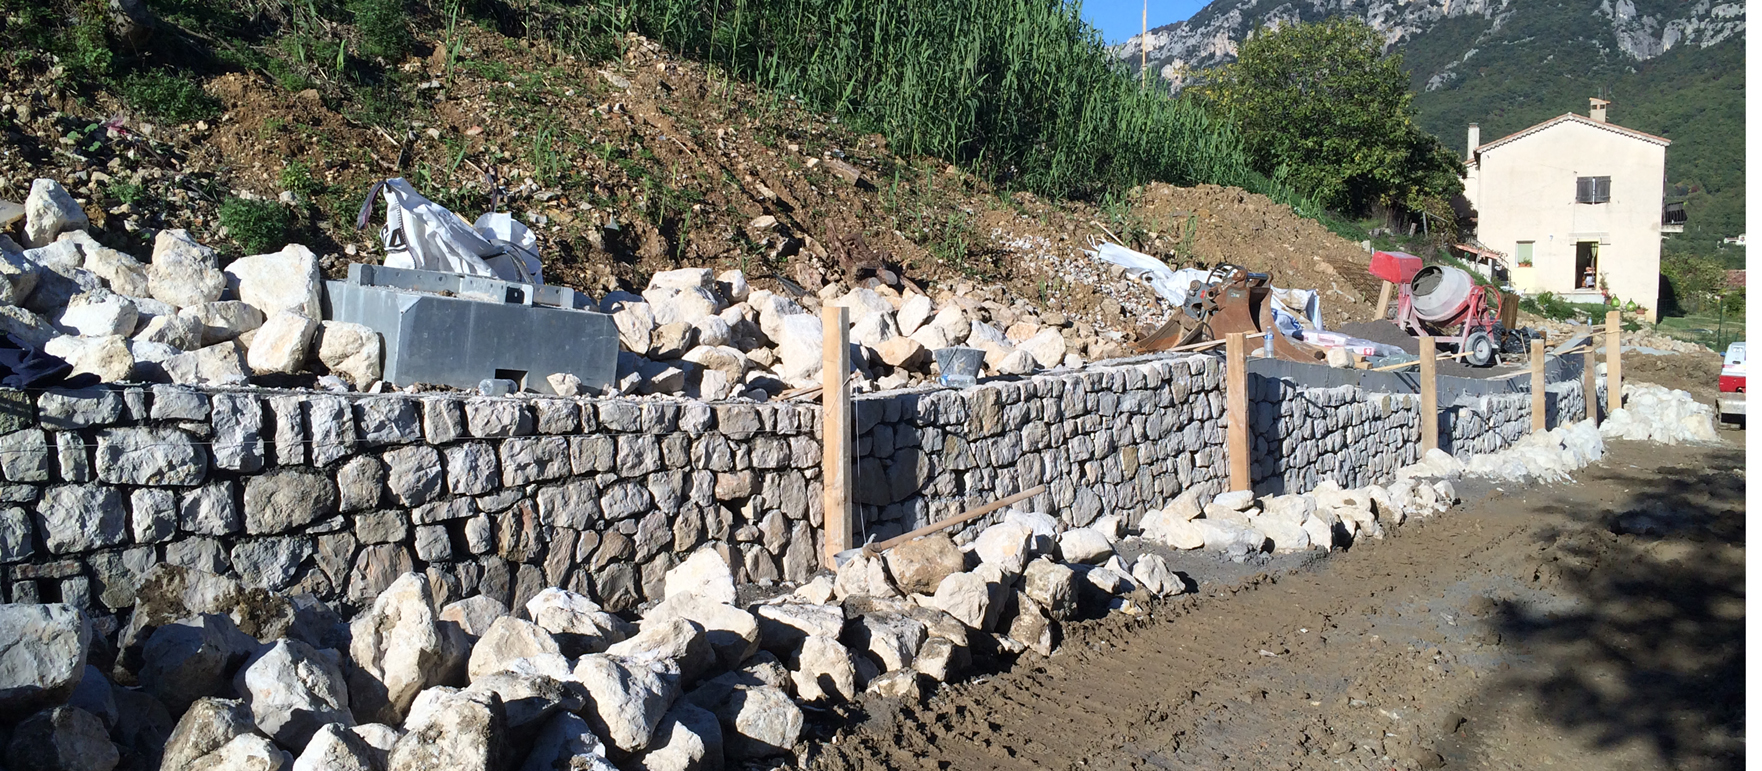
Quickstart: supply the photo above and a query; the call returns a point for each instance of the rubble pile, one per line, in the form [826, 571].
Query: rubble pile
[208, 673]
[1658, 414]
[1237, 525]
[178, 318]
[713, 336]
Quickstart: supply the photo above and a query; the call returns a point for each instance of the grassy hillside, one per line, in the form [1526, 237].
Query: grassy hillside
[1693, 96]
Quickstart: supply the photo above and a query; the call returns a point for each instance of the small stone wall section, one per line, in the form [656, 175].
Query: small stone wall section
[337, 495]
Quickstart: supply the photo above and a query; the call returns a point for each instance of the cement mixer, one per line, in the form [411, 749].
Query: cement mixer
[1446, 303]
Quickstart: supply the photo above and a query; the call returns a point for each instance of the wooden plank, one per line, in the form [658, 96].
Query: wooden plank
[1383, 300]
[835, 431]
[1591, 385]
[969, 514]
[1612, 341]
[1236, 409]
[1428, 394]
[1538, 387]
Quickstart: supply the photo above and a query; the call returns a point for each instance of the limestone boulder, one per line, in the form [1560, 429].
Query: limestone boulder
[966, 596]
[61, 739]
[194, 658]
[1086, 545]
[399, 648]
[292, 691]
[97, 314]
[704, 573]
[784, 624]
[1152, 573]
[49, 211]
[1052, 587]
[1005, 545]
[823, 669]
[44, 657]
[352, 351]
[567, 742]
[863, 576]
[689, 738]
[627, 702]
[578, 624]
[733, 634]
[282, 344]
[681, 642]
[184, 273]
[223, 320]
[336, 748]
[287, 280]
[205, 727]
[758, 721]
[507, 641]
[918, 566]
[451, 729]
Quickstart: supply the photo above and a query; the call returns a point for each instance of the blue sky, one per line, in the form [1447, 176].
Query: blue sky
[1120, 19]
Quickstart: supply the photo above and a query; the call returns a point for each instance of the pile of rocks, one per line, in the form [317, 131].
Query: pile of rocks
[179, 318]
[1236, 525]
[1659, 414]
[210, 674]
[713, 336]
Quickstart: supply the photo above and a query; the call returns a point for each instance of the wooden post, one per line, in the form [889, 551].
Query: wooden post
[835, 434]
[1613, 341]
[1428, 394]
[1236, 408]
[1538, 387]
[1383, 301]
[1591, 382]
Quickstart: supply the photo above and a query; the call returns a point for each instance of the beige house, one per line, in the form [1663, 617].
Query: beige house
[1576, 204]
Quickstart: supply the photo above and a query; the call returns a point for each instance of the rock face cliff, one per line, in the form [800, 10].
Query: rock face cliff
[1447, 35]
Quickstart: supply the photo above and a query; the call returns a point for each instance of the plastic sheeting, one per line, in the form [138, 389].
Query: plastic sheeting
[424, 235]
[1294, 310]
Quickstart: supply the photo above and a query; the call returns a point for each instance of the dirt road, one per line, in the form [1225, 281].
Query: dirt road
[1595, 625]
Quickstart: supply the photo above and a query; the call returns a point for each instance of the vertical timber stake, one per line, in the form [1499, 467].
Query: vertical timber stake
[1428, 395]
[1612, 341]
[835, 434]
[1538, 388]
[1383, 300]
[1591, 383]
[1236, 408]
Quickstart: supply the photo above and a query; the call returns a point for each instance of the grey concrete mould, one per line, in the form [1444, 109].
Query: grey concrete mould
[446, 329]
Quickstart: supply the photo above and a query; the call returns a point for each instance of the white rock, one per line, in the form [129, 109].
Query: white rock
[1047, 348]
[183, 273]
[1017, 362]
[223, 320]
[713, 331]
[249, 752]
[1229, 537]
[96, 314]
[636, 327]
[687, 306]
[336, 748]
[683, 278]
[293, 690]
[733, 634]
[399, 648]
[567, 742]
[450, 729]
[222, 364]
[1005, 545]
[799, 343]
[689, 738]
[44, 657]
[1086, 545]
[282, 344]
[287, 280]
[1321, 534]
[1052, 586]
[107, 357]
[350, 350]
[184, 334]
[863, 303]
[49, 211]
[508, 640]
[966, 596]
[705, 574]
[123, 274]
[474, 614]
[758, 722]
[1286, 535]
[863, 576]
[627, 702]
[823, 670]
[916, 310]
[1152, 572]
[732, 284]
[586, 626]
[874, 329]
[953, 325]
[819, 590]
[1235, 500]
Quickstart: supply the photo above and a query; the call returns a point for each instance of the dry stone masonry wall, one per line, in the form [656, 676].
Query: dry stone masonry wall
[338, 494]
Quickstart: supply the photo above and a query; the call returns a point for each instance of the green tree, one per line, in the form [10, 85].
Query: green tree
[1322, 108]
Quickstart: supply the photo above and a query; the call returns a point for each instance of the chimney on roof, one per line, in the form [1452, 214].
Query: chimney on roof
[1599, 110]
[1474, 139]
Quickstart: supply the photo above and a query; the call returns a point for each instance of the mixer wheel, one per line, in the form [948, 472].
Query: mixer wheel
[1480, 348]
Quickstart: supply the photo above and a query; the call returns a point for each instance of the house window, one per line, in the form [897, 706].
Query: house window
[1593, 190]
[1526, 253]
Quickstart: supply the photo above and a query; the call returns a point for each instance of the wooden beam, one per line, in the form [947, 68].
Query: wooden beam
[1590, 356]
[1428, 394]
[1538, 387]
[1236, 409]
[969, 514]
[1612, 341]
[836, 443]
[1383, 301]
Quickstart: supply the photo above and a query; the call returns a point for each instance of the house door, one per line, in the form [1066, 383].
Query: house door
[1585, 268]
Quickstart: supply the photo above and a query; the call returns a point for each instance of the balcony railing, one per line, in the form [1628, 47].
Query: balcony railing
[1674, 218]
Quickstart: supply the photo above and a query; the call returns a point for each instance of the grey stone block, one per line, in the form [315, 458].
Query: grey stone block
[441, 420]
[290, 430]
[383, 420]
[172, 402]
[373, 527]
[80, 518]
[534, 459]
[150, 456]
[471, 468]
[432, 544]
[15, 535]
[153, 514]
[286, 499]
[24, 456]
[70, 457]
[331, 423]
[238, 432]
[210, 510]
[270, 563]
[413, 474]
[82, 408]
[497, 418]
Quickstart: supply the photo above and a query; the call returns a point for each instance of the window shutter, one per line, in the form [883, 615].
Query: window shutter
[1585, 190]
[1602, 192]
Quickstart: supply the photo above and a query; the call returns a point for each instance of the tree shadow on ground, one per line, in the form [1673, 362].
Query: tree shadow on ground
[1645, 647]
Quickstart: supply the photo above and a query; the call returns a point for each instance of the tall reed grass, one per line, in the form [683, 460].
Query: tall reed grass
[1022, 92]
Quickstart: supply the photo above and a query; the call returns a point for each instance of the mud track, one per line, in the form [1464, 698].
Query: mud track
[1595, 625]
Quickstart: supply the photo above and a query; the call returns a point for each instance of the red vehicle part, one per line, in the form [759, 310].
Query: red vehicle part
[1731, 384]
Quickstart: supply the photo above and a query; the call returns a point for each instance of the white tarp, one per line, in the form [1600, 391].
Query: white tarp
[1293, 309]
[424, 235]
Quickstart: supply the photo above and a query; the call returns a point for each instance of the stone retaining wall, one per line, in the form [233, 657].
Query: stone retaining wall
[337, 494]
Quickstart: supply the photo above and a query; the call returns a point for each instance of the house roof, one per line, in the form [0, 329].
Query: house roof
[1573, 118]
